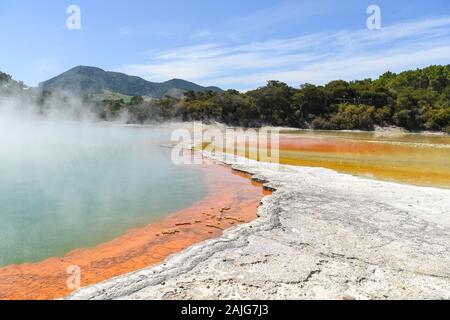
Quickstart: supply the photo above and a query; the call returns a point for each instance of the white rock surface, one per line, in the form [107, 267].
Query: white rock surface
[321, 235]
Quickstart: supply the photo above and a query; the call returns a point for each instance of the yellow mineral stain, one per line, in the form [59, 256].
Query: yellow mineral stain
[406, 158]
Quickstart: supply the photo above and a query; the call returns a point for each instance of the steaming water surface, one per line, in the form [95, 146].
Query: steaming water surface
[68, 185]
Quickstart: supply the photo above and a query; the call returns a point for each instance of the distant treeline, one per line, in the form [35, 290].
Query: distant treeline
[9, 86]
[414, 100]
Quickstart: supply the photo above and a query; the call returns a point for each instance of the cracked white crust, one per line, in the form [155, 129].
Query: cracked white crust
[321, 235]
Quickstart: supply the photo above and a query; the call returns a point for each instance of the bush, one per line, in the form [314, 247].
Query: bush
[351, 117]
[438, 119]
[320, 124]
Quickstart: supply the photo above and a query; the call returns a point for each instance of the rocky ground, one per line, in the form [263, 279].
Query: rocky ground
[321, 235]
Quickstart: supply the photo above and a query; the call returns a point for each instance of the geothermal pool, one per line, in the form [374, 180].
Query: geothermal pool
[66, 185]
[412, 158]
[419, 159]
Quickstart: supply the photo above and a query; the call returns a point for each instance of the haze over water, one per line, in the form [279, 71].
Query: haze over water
[67, 185]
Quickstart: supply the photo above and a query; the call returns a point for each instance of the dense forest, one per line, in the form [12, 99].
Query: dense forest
[414, 100]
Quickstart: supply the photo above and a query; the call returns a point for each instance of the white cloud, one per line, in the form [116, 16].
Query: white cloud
[315, 58]
[125, 31]
[202, 34]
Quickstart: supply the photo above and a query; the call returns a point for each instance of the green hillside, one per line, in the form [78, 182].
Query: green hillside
[415, 100]
[91, 80]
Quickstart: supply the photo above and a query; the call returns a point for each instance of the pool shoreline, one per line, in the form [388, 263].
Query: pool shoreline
[348, 238]
[232, 199]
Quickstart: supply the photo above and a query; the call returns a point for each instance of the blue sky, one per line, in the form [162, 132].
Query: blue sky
[233, 44]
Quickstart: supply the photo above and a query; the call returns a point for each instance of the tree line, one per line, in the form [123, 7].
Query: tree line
[414, 100]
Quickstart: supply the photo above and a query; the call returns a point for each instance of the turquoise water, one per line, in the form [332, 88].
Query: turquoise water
[66, 185]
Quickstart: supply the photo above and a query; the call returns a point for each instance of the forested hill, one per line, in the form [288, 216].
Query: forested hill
[415, 100]
[91, 80]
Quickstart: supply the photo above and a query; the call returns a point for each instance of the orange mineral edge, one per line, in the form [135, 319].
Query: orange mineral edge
[232, 199]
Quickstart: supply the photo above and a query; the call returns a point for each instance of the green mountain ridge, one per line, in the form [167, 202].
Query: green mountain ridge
[92, 80]
[415, 100]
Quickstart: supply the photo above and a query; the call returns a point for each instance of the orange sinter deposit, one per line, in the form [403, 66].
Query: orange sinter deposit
[232, 199]
[404, 160]
[420, 164]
